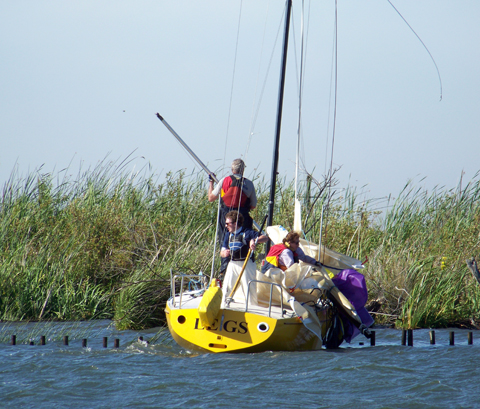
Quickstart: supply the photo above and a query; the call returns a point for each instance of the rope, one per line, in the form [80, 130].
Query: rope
[424, 46]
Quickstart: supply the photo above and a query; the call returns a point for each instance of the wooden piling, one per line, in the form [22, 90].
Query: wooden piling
[116, 343]
[84, 342]
[452, 338]
[470, 338]
[410, 337]
[65, 340]
[14, 340]
[42, 340]
[372, 338]
[105, 342]
[432, 337]
[404, 337]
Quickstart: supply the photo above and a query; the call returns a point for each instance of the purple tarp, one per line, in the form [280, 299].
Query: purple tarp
[352, 284]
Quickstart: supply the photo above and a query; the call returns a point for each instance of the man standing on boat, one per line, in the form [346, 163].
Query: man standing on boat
[235, 247]
[236, 193]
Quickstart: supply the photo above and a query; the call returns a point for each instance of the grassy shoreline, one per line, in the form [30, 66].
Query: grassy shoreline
[101, 245]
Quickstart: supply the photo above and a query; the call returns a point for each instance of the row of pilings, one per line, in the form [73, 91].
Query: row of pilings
[407, 339]
[116, 341]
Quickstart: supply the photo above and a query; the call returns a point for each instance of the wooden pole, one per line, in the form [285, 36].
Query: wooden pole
[452, 338]
[432, 337]
[65, 340]
[14, 340]
[42, 340]
[372, 338]
[84, 342]
[410, 337]
[105, 342]
[404, 337]
[116, 343]
[470, 338]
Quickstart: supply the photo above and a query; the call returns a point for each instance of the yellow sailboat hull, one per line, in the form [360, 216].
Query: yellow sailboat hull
[239, 331]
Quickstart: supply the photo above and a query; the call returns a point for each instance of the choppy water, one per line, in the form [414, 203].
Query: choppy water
[163, 375]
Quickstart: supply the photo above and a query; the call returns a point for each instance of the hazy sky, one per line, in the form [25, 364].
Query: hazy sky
[80, 80]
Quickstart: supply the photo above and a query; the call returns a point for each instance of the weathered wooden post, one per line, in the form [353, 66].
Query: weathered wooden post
[14, 340]
[404, 337]
[410, 337]
[432, 337]
[105, 342]
[116, 343]
[452, 338]
[84, 342]
[42, 340]
[470, 338]
[372, 338]
[65, 340]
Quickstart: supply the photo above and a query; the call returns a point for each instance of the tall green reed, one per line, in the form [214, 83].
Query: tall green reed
[102, 244]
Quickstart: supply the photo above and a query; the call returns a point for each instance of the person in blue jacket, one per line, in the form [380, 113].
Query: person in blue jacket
[236, 245]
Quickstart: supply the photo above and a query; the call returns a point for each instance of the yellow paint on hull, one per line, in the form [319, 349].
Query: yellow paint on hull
[238, 331]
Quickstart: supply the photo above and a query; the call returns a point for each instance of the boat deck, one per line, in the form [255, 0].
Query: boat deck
[192, 301]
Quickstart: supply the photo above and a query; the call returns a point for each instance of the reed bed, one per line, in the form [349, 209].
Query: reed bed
[102, 244]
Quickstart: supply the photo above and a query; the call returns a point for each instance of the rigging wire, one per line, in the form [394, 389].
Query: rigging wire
[233, 82]
[254, 121]
[424, 46]
[254, 114]
[329, 175]
[335, 87]
[300, 75]
[226, 138]
[303, 81]
[300, 95]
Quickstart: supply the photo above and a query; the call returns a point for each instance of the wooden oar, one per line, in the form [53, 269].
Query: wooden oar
[245, 263]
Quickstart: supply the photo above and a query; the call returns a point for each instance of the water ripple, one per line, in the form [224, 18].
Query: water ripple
[153, 375]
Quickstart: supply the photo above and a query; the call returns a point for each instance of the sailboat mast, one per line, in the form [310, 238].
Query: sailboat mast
[273, 181]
